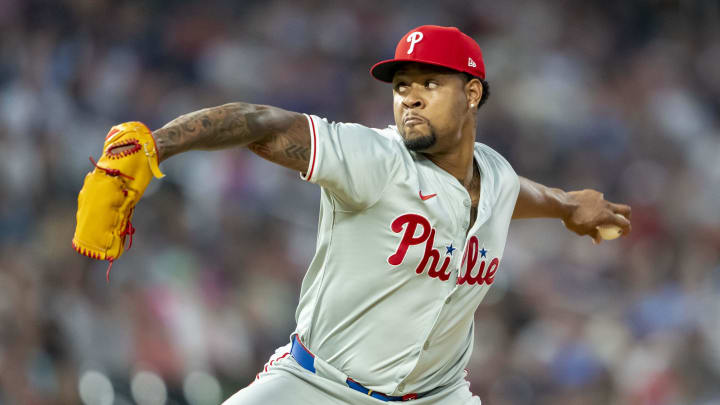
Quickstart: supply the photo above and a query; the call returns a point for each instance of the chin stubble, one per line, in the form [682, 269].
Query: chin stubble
[421, 143]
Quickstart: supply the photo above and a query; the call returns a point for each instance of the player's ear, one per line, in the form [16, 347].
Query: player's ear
[473, 93]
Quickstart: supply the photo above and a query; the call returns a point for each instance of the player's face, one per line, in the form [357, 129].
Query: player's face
[430, 107]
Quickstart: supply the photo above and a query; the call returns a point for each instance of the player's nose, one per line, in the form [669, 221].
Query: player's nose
[413, 99]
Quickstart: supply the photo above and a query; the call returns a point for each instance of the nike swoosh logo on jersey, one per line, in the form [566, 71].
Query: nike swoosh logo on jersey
[426, 197]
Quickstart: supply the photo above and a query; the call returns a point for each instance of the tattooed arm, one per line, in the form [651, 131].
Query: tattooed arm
[280, 136]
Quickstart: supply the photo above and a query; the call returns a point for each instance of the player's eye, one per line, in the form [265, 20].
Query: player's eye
[400, 86]
[431, 84]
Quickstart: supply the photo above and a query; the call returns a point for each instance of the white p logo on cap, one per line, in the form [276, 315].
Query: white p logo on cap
[414, 38]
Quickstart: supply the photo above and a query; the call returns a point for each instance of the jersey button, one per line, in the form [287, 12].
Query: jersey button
[426, 345]
[466, 203]
[401, 387]
[448, 299]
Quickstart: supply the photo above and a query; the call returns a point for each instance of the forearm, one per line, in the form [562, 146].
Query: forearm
[538, 201]
[234, 124]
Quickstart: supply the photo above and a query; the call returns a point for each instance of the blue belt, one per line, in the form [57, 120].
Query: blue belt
[307, 360]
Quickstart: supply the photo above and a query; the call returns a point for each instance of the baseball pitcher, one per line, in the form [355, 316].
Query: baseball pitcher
[413, 223]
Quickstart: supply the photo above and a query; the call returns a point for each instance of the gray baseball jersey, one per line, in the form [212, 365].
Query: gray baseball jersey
[390, 295]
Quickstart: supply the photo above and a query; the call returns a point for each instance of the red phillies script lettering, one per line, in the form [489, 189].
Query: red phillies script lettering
[411, 223]
[470, 257]
[416, 230]
[433, 254]
[409, 238]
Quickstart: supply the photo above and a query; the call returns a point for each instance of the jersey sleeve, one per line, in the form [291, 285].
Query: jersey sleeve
[352, 162]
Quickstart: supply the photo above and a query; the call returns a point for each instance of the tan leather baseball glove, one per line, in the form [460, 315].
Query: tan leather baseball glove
[110, 192]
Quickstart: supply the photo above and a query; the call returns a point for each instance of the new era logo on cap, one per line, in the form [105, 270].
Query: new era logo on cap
[434, 45]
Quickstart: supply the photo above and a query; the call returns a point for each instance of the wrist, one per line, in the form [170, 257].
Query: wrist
[163, 146]
[566, 204]
[158, 145]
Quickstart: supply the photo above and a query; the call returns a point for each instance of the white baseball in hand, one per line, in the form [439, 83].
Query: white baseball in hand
[610, 231]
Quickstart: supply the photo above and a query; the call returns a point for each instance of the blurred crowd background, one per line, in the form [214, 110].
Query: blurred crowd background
[621, 96]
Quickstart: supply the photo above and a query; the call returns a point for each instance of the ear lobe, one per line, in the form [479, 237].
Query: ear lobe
[473, 91]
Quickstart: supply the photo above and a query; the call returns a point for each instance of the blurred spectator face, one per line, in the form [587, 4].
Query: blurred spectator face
[430, 106]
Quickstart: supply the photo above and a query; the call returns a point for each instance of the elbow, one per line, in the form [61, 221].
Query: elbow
[265, 121]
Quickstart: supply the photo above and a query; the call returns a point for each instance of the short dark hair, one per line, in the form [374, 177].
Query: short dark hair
[485, 87]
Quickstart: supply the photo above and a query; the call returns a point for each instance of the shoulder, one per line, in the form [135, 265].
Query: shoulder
[350, 137]
[385, 143]
[492, 157]
[500, 170]
[388, 134]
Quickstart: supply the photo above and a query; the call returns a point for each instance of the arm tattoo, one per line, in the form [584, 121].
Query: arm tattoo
[290, 149]
[297, 152]
[235, 124]
[261, 150]
[272, 133]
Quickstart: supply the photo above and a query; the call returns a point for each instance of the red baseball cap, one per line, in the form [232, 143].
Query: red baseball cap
[434, 45]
